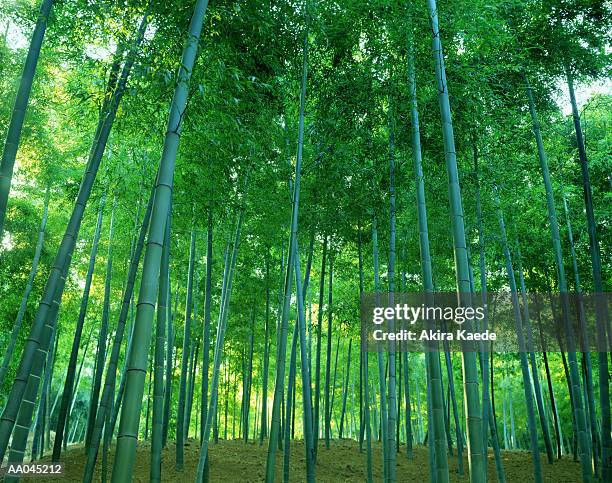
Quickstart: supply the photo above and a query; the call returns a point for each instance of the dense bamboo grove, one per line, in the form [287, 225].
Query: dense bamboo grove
[195, 197]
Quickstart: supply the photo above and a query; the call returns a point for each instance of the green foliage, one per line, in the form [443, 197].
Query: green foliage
[242, 117]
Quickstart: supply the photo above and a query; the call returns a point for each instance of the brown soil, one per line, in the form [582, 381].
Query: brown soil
[233, 461]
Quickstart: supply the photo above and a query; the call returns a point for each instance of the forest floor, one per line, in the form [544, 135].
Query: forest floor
[233, 461]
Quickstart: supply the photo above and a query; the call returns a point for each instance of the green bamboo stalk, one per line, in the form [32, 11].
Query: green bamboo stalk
[586, 356]
[432, 357]
[206, 328]
[73, 397]
[602, 315]
[317, 395]
[63, 417]
[8, 354]
[365, 380]
[282, 339]
[390, 457]
[249, 380]
[531, 423]
[333, 384]
[488, 415]
[305, 373]
[195, 353]
[102, 335]
[345, 389]
[185, 354]
[266, 357]
[24, 417]
[137, 357]
[551, 394]
[11, 145]
[38, 441]
[408, 412]
[106, 401]
[290, 391]
[220, 338]
[532, 360]
[579, 412]
[379, 355]
[476, 450]
[328, 383]
[429, 437]
[169, 353]
[158, 379]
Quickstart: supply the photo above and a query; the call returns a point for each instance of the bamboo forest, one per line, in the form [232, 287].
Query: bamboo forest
[223, 224]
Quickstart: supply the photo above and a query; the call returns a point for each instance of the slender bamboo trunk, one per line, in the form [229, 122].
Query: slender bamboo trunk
[305, 373]
[249, 380]
[586, 356]
[103, 334]
[602, 315]
[532, 360]
[106, 401]
[227, 388]
[582, 432]
[193, 360]
[137, 358]
[333, 385]
[193, 369]
[234, 410]
[488, 413]
[18, 445]
[553, 405]
[282, 339]
[62, 422]
[207, 319]
[11, 145]
[71, 437]
[256, 413]
[390, 456]
[476, 450]
[148, 410]
[38, 446]
[266, 358]
[317, 395]
[398, 378]
[429, 438]
[281, 291]
[365, 380]
[380, 356]
[169, 345]
[408, 412]
[432, 356]
[180, 417]
[242, 403]
[290, 391]
[46, 436]
[221, 328]
[345, 389]
[8, 354]
[531, 423]
[506, 432]
[327, 388]
[453, 404]
[73, 396]
[158, 377]
[551, 394]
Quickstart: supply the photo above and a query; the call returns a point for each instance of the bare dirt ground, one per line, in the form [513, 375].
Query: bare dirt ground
[235, 461]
